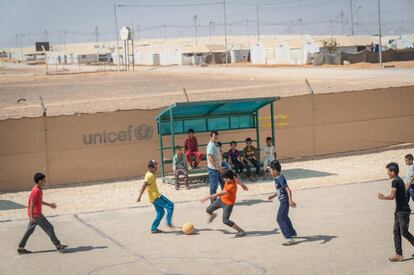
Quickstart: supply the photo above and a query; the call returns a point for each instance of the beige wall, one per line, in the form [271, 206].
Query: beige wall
[126, 140]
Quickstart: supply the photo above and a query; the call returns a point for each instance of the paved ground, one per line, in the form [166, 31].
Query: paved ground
[344, 229]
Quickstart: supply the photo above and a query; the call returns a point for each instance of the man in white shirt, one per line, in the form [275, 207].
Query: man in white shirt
[409, 177]
[214, 159]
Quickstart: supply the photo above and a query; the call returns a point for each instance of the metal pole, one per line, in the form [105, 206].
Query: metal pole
[45, 126]
[247, 31]
[257, 133]
[342, 22]
[172, 132]
[117, 38]
[45, 36]
[352, 19]
[225, 31]
[96, 35]
[161, 149]
[195, 30]
[258, 23]
[379, 33]
[272, 122]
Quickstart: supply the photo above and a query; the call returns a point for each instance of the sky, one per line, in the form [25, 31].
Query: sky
[23, 22]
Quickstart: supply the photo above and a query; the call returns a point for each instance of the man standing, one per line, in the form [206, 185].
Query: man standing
[409, 177]
[214, 159]
[402, 211]
[191, 149]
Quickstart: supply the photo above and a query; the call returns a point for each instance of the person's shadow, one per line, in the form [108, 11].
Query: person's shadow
[316, 238]
[69, 250]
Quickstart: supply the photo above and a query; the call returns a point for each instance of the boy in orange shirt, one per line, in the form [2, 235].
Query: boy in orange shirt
[226, 200]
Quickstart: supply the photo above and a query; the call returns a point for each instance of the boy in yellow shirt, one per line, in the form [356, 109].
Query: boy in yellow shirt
[159, 201]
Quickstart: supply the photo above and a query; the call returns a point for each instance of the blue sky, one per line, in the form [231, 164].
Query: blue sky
[76, 20]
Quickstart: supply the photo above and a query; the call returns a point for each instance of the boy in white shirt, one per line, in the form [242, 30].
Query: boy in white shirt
[269, 155]
[409, 177]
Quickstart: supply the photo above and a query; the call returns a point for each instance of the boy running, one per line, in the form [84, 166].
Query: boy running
[226, 199]
[159, 201]
[285, 197]
[409, 177]
[34, 209]
[402, 210]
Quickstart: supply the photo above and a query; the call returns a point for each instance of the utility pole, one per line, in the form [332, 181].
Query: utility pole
[247, 30]
[96, 35]
[402, 28]
[45, 32]
[301, 26]
[352, 19]
[379, 33]
[195, 30]
[164, 31]
[330, 26]
[210, 29]
[342, 22]
[225, 31]
[137, 33]
[258, 23]
[117, 37]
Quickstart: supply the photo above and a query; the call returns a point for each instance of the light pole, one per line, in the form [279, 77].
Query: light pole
[225, 30]
[117, 38]
[379, 33]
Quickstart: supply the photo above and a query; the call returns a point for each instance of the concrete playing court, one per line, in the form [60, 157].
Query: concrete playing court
[343, 230]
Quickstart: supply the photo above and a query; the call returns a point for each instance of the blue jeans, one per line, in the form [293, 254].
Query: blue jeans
[284, 221]
[214, 178]
[160, 204]
[410, 193]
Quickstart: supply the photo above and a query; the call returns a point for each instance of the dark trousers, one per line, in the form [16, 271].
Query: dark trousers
[227, 209]
[252, 162]
[401, 224]
[45, 225]
[238, 166]
[284, 221]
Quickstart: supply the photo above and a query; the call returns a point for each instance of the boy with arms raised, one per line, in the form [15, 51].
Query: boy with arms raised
[159, 201]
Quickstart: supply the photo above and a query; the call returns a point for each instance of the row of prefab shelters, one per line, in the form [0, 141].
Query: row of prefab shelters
[270, 50]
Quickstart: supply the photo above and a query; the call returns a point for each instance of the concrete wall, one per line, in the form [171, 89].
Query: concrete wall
[113, 145]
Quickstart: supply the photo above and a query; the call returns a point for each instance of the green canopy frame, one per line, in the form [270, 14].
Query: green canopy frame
[207, 116]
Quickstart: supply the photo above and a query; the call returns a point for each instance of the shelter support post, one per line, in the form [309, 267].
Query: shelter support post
[272, 122]
[161, 152]
[257, 133]
[172, 132]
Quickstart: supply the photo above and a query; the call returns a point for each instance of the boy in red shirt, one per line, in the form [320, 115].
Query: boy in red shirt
[191, 149]
[226, 200]
[36, 217]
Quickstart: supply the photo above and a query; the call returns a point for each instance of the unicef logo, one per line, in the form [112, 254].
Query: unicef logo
[143, 132]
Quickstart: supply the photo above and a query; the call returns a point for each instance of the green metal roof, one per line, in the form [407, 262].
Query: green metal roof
[216, 108]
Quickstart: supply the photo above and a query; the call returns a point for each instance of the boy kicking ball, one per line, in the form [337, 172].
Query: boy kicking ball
[36, 216]
[402, 210]
[226, 200]
[285, 197]
[159, 201]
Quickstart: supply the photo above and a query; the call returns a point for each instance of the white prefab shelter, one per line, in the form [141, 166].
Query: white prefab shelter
[146, 55]
[170, 56]
[282, 53]
[258, 54]
[402, 42]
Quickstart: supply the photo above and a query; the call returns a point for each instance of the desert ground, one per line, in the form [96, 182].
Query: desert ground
[155, 87]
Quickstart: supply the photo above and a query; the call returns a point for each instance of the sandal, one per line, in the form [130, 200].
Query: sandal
[240, 234]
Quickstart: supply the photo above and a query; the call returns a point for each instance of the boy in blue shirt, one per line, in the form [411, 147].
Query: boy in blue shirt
[285, 197]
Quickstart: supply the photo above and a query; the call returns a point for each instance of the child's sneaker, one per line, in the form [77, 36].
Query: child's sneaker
[157, 231]
[211, 218]
[289, 241]
[396, 258]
